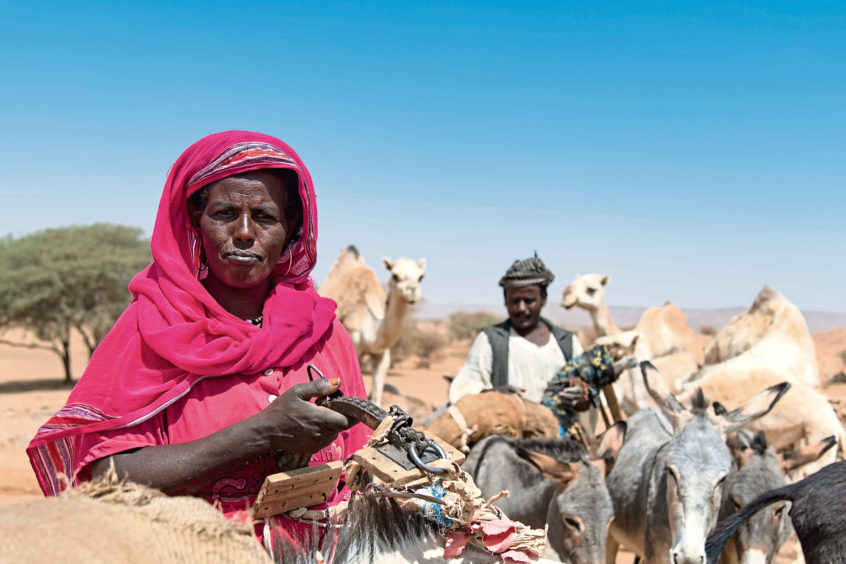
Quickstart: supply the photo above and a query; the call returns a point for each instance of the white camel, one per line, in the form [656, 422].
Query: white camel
[771, 343]
[662, 335]
[587, 291]
[803, 417]
[771, 335]
[373, 318]
[662, 329]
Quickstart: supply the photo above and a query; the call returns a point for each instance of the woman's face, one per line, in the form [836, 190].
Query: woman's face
[244, 228]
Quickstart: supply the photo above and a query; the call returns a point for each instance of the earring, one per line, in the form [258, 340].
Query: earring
[290, 262]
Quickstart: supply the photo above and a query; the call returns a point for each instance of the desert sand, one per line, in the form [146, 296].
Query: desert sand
[31, 389]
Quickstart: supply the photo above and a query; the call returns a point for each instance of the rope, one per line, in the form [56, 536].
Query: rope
[466, 432]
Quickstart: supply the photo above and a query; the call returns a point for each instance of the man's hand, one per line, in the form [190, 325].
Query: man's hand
[574, 397]
[511, 390]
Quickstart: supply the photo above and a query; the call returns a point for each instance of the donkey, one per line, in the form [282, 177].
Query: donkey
[759, 469]
[551, 482]
[377, 530]
[667, 481]
[816, 513]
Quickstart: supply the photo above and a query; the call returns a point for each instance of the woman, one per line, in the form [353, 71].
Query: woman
[203, 379]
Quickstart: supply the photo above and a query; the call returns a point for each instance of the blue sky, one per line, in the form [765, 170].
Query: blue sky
[693, 152]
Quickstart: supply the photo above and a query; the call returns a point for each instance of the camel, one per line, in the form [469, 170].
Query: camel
[771, 343]
[662, 335]
[587, 291]
[803, 417]
[771, 335]
[663, 329]
[629, 387]
[373, 319]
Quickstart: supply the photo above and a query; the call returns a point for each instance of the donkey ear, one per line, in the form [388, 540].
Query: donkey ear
[760, 404]
[552, 468]
[609, 446]
[739, 440]
[738, 444]
[634, 341]
[669, 405]
[790, 461]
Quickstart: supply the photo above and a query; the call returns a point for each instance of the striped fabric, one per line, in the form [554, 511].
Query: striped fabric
[53, 460]
[254, 152]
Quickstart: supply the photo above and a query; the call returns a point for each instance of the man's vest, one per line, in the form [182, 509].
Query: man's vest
[498, 337]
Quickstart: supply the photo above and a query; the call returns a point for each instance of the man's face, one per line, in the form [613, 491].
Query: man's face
[524, 307]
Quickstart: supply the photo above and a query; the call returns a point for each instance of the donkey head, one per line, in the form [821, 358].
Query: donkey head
[760, 469]
[697, 461]
[580, 510]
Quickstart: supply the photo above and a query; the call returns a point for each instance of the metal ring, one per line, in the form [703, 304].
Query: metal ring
[311, 367]
[415, 458]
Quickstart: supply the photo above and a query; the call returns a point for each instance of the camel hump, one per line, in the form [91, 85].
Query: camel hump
[351, 249]
[767, 296]
[347, 259]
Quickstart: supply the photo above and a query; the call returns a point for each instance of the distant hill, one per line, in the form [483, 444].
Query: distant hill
[627, 317]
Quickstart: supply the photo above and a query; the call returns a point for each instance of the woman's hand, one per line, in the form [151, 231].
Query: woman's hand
[294, 424]
[290, 423]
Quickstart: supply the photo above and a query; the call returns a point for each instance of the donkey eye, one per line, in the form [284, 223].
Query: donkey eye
[573, 523]
[736, 503]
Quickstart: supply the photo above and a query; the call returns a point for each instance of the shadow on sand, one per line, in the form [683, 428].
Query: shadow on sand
[22, 386]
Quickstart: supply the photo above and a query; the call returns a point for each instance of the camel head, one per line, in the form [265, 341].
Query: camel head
[586, 292]
[406, 275]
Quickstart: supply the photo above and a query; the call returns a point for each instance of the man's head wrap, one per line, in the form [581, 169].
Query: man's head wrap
[527, 272]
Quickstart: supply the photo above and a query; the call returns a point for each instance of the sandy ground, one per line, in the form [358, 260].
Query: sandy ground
[31, 390]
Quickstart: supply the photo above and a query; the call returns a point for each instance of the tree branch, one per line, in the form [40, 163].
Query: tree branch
[30, 346]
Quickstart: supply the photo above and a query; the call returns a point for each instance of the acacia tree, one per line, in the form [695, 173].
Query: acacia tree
[68, 278]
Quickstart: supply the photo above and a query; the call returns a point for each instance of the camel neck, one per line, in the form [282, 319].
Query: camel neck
[395, 311]
[602, 321]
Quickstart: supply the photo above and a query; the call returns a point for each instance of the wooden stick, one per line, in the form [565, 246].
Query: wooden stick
[604, 413]
[613, 404]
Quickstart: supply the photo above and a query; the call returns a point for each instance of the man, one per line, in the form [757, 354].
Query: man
[521, 354]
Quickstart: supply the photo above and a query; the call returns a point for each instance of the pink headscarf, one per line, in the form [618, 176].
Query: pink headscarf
[174, 333]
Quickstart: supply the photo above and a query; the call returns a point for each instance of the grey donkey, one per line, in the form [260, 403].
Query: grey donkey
[551, 482]
[758, 469]
[816, 513]
[667, 481]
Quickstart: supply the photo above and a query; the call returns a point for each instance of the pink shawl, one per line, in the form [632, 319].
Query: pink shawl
[174, 333]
